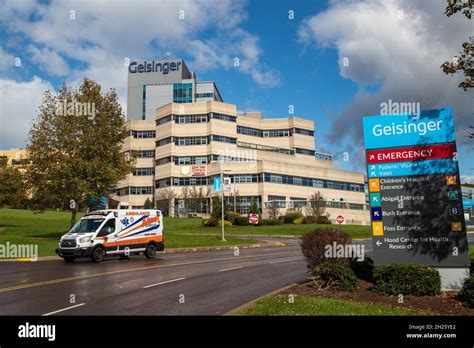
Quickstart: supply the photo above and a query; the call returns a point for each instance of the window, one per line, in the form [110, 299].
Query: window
[280, 200]
[277, 179]
[182, 93]
[297, 202]
[191, 160]
[305, 151]
[142, 134]
[144, 103]
[276, 133]
[107, 229]
[266, 148]
[143, 171]
[249, 131]
[244, 178]
[323, 156]
[224, 139]
[164, 120]
[164, 141]
[242, 203]
[185, 141]
[146, 154]
[191, 118]
[141, 190]
[303, 131]
[163, 160]
[163, 182]
[223, 117]
[204, 95]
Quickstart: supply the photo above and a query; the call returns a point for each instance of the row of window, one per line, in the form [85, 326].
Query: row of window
[186, 141]
[197, 118]
[305, 151]
[143, 171]
[204, 95]
[142, 134]
[146, 154]
[272, 133]
[187, 160]
[266, 148]
[268, 177]
[137, 190]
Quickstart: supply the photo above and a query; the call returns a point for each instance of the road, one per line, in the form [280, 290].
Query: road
[199, 283]
[211, 282]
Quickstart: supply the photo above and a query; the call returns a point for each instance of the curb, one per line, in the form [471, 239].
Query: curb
[175, 250]
[250, 303]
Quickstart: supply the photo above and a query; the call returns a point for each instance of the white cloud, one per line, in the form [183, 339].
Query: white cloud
[467, 179]
[7, 60]
[49, 60]
[401, 51]
[18, 104]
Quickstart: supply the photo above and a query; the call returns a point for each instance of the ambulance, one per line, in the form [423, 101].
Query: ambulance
[114, 232]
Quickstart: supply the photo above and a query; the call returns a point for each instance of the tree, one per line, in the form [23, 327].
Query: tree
[254, 207]
[464, 62]
[316, 205]
[148, 204]
[216, 212]
[75, 146]
[273, 209]
[13, 191]
[166, 197]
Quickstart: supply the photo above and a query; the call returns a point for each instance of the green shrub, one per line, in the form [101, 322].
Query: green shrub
[323, 220]
[363, 269]
[313, 245]
[291, 215]
[241, 221]
[298, 221]
[309, 219]
[226, 223]
[331, 274]
[269, 222]
[407, 279]
[211, 222]
[466, 296]
[231, 216]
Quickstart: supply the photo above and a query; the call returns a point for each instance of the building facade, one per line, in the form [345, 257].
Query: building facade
[152, 84]
[271, 161]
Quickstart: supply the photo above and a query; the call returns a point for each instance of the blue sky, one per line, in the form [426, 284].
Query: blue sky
[394, 49]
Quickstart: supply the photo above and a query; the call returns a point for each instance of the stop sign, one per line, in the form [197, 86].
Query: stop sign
[340, 219]
[253, 219]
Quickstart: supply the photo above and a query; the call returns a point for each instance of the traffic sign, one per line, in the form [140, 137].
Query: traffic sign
[253, 219]
[340, 219]
[414, 189]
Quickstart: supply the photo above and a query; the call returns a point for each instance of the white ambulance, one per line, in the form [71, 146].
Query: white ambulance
[114, 232]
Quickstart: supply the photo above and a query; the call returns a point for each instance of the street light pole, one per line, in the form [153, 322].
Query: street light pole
[222, 200]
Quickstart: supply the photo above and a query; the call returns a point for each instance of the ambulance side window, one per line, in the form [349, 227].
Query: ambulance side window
[108, 228]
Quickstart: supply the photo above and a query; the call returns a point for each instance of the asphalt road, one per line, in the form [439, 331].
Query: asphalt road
[200, 283]
[203, 283]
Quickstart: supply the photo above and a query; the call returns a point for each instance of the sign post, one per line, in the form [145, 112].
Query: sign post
[415, 194]
[253, 219]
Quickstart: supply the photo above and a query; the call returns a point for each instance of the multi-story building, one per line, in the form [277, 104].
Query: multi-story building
[152, 84]
[14, 157]
[271, 161]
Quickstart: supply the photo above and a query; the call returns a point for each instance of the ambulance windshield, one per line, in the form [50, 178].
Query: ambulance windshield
[87, 224]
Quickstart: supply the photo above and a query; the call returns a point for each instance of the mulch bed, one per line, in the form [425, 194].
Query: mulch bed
[442, 304]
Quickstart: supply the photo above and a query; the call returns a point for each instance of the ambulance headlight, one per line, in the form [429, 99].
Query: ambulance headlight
[85, 239]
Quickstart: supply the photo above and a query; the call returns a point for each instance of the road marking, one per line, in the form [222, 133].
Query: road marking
[286, 260]
[62, 310]
[230, 269]
[101, 274]
[165, 282]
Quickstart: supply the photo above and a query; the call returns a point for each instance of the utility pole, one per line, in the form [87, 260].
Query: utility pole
[222, 200]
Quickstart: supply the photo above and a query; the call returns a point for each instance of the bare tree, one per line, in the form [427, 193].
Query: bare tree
[166, 197]
[316, 205]
[273, 209]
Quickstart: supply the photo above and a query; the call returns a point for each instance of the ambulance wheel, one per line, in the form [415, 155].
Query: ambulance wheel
[69, 259]
[98, 255]
[150, 251]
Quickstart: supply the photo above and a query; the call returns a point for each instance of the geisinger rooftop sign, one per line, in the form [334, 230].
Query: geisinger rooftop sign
[147, 67]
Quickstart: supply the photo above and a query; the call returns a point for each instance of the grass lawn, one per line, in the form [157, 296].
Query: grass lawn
[24, 227]
[308, 305]
[471, 253]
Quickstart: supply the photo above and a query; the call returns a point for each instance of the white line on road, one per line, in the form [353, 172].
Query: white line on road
[285, 260]
[168, 281]
[64, 309]
[230, 269]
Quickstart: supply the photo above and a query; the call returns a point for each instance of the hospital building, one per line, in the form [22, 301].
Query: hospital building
[184, 135]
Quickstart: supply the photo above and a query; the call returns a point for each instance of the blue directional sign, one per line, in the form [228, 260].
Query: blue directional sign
[430, 127]
[440, 166]
[467, 203]
[217, 184]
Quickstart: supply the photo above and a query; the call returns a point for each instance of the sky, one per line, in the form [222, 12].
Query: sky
[332, 61]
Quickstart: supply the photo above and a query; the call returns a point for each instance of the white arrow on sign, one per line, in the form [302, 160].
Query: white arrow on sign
[375, 199]
[372, 167]
[371, 157]
[376, 213]
[372, 173]
[379, 243]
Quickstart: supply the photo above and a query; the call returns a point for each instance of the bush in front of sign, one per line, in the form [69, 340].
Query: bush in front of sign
[415, 280]
[241, 221]
[363, 269]
[323, 220]
[466, 296]
[291, 216]
[314, 246]
[298, 221]
[329, 274]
